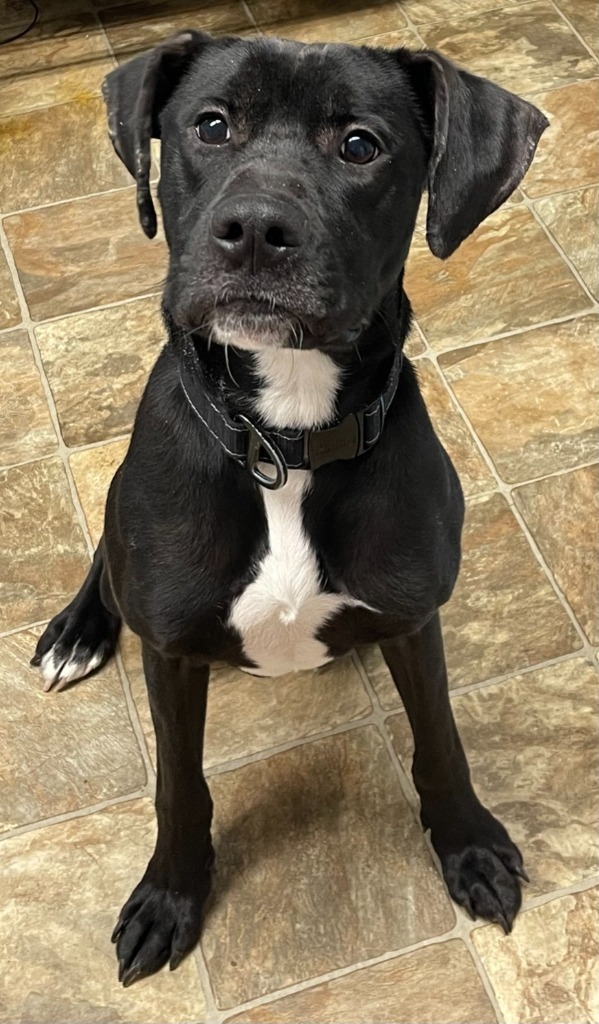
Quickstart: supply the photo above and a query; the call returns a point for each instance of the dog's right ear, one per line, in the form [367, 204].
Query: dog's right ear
[135, 95]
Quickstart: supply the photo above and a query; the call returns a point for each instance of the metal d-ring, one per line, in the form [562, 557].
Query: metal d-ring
[257, 440]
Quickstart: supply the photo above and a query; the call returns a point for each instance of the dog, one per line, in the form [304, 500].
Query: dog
[285, 496]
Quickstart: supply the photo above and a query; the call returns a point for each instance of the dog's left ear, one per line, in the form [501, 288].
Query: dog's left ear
[135, 95]
[483, 139]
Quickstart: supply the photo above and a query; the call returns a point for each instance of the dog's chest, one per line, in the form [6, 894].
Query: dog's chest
[279, 614]
[281, 611]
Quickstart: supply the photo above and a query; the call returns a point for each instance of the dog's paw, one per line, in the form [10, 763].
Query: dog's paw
[481, 865]
[75, 644]
[486, 882]
[157, 925]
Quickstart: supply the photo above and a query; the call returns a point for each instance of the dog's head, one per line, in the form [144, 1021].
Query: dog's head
[291, 175]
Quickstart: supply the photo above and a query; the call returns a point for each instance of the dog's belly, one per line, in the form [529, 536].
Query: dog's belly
[280, 613]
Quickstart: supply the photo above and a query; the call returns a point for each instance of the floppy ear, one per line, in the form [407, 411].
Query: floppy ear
[135, 94]
[483, 139]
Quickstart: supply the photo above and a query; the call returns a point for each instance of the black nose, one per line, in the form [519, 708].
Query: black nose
[257, 230]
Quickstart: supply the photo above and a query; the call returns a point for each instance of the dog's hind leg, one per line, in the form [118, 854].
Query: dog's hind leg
[83, 636]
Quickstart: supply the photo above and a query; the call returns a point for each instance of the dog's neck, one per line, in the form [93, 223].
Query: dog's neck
[309, 388]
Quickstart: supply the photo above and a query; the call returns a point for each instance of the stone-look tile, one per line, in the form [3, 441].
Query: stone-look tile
[390, 40]
[562, 513]
[453, 432]
[573, 219]
[93, 470]
[46, 87]
[10, 312]
[533, 747]
[546, 970]
[398, 991]
[374, 665]
[84, 253]
[584, 15]
[63, 57]
[98, 364]
[422, 12]
[527, 48]
[339, 25]
[128, 33]
[504, 613]
[61, 889]
[568, 154]
[43, 557]
[533, 398]
[320, 864]
[61, 752]
[247, 715]
[506, 275]
[57, 153]
[25, 426]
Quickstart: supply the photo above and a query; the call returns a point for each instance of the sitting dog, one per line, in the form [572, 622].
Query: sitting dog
[284, 496]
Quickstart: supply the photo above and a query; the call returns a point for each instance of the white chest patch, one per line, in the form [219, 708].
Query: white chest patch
[280, 613]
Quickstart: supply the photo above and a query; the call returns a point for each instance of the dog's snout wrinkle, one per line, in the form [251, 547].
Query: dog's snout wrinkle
[257, 230]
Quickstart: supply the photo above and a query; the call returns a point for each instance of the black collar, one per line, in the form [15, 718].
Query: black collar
[249, 444]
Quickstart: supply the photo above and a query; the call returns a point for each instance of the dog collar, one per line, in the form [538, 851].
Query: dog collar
[250, 444]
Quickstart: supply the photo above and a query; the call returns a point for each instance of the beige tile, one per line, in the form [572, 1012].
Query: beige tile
[61, 752]
[57, 153]
[128, 33]
[568, 154]
[46, 87]
[584, 15]
[533, 747]
[527, 48]
[25, 426]
[546, 970]
[61, 890]
[84, 253]
[379, 675]
[93, 470]
[10, 312]
[43, 557]
[269, 12]
[340, 24]
[506, 275]
[504, 614]
[247, 715]
[390, 40]
[573, 219]
[453, 432]
[320, 864]
[98, 364]
[422, 11]
[563, 515]
[533, 398]
[66, 33]
[400, 991]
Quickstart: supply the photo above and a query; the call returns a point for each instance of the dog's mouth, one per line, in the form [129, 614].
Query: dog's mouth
[255, 322]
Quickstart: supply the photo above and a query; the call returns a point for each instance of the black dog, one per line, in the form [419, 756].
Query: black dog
[284, 496]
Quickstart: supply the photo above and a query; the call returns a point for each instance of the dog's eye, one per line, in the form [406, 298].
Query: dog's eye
[213, 129]
[359, 148]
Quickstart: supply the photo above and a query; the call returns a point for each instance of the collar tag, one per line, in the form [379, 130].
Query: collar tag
[344, 441]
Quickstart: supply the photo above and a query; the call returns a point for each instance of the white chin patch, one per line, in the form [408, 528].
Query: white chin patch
[230, 332]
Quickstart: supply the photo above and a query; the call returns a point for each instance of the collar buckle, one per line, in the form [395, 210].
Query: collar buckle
[257, 441]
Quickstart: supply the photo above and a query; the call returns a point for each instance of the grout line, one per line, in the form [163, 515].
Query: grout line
[71, 450]
[506, 491]
[484, 977]
[23, 629]
[251, 16]
[64, 202]
[80, 812]
[63, 452]
[573, 269]
[409, 24]
[339, 972]
[574, 30]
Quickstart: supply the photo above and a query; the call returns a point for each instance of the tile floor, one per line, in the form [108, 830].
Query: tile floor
[328, 904]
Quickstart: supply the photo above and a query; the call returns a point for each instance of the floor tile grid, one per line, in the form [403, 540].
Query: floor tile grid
[572, 27]
[63, 453]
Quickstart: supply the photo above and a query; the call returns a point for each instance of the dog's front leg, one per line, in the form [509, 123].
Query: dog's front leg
[480, 863]
[162, 918]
